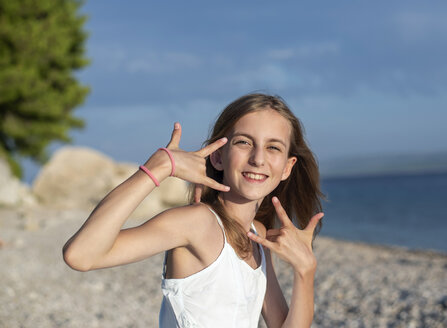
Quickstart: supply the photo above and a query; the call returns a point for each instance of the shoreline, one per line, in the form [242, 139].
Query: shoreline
[356, 285]
[390, 247]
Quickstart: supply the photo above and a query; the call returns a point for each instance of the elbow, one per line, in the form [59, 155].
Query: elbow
[74, 261]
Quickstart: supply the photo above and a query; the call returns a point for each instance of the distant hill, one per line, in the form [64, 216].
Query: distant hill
[385, 165]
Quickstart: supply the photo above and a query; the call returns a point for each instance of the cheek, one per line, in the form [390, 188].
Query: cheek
[278, 162]
[280, 166]
[230, 160]
[235, 156]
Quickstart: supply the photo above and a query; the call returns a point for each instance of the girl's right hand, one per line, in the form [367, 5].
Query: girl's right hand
[190, 166]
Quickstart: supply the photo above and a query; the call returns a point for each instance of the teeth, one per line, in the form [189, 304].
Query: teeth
[254, 176]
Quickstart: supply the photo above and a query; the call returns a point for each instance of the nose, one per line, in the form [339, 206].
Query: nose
[257, 157]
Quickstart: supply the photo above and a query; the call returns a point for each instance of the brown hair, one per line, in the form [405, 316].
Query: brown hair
[299, 194]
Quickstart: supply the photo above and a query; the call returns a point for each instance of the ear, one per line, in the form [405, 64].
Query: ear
[288, 168]
[216, 160]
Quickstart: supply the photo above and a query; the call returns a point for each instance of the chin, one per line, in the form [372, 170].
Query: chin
[253, 195]
[250, 192]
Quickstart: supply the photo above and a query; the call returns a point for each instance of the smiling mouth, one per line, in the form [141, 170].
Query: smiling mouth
[254, 176]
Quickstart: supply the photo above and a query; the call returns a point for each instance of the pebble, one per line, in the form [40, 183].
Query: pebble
[356, 285]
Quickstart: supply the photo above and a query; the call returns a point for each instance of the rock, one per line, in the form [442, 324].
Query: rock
[173, 191]
[74, 177]
[13, 192]
[443, 302]
[78, 177]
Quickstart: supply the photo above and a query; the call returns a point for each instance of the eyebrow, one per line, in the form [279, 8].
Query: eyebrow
[238, 134]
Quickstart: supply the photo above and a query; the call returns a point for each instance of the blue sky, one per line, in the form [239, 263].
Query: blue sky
[364, 77]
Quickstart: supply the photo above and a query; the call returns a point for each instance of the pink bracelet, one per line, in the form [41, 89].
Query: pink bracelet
[154, 179]
[171, 158]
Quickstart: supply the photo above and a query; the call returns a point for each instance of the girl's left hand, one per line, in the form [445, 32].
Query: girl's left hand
[290, 243]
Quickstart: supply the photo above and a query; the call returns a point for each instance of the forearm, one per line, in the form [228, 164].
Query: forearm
[301, 308]
[99, 233]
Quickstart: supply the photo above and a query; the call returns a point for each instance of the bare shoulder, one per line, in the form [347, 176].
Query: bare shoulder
[187, 211]
[193, 213]
[260, 228]
[190, 219]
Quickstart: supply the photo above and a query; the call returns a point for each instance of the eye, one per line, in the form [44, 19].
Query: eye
[275, 148]
[241, 142]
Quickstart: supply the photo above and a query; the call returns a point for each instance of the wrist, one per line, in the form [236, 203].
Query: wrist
[307, 272]
[171, 158]
[305, 278]
[159, 165]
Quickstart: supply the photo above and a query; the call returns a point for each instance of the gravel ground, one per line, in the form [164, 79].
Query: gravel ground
[357, 285]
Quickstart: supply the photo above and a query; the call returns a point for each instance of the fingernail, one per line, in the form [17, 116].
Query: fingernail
[275, 199]
[227, 188]
[176, 125]
[224, 139]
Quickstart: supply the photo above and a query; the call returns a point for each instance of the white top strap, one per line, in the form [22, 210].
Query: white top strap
[218, 221]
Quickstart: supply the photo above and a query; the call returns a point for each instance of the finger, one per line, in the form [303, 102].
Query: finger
[198, 188]
[282, 215]
[215, 185]
[273, 239]
[261, 241]
[211, 148]
[313, 222]
[175, 136]
[273, 232]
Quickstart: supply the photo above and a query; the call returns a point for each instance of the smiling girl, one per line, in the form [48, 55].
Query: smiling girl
[255, 174]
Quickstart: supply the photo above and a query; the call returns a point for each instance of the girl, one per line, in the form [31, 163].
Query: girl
[218, 270]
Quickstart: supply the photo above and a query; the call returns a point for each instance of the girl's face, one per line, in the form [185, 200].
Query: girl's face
[255, 159]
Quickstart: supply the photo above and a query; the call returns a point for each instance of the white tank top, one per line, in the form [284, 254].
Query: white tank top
[227, 293]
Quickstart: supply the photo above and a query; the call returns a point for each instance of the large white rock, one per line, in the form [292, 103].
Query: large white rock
[13, 192]
[78, 177]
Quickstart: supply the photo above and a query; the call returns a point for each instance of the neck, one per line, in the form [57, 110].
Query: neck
[243, 212]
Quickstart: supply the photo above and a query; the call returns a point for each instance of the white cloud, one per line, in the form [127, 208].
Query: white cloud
[162, 62]
[281, 54]
[415, 26]
[110, 56]
[267, 75]
[115, 58]
[306, 50]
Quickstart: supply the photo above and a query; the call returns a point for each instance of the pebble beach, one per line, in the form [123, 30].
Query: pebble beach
[357, 285]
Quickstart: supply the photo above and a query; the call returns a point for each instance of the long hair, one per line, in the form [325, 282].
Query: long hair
[299, 194]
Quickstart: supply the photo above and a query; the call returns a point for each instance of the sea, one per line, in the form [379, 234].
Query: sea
[400, 210]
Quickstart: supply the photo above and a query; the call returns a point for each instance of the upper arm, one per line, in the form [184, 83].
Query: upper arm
[274, 308]
[167, 230]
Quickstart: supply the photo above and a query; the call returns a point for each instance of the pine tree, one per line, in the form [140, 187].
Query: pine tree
[41, 47]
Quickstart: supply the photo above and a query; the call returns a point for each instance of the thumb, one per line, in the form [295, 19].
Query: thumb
[314, 221]
[175, 136]
[198, 188]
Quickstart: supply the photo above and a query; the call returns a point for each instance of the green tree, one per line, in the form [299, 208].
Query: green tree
[41, 47]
